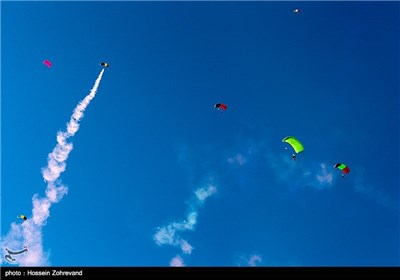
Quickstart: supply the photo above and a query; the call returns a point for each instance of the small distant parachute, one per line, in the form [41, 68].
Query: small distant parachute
[47, 63]
[105, 64]
[23, 217]
[343, 167]
[220, 106]
[296, 145]
[296, 11]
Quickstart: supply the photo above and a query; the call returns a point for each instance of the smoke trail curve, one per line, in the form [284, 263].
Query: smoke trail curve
[29, 233]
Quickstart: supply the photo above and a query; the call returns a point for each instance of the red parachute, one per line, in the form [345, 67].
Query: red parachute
[221, 107]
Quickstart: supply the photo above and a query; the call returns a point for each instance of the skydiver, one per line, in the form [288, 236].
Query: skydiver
[23, 218]
[294, 157]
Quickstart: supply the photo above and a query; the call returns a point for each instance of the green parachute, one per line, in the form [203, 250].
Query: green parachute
[296, 145]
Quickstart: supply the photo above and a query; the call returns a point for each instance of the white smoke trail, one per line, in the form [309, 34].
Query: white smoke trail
[29, 233]
[177, 261]
[254, 260]
[169, 234]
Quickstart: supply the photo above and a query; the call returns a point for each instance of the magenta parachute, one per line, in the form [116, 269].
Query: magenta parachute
[47, 63]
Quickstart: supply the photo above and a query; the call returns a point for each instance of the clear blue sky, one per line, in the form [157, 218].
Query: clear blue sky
[151, 137]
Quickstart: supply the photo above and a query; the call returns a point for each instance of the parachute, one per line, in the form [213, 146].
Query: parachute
[296, 145]
[22, 217]
[47, 63]
[220, 106]
[343, 167]
[105, 64]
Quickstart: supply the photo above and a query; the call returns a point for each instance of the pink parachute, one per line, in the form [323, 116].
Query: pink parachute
[47, 63]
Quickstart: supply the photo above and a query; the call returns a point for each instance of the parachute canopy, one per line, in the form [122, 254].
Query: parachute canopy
[296, 145]
[22, 217]
[343, 167]
[220, 106]
[105, 64]
[47, 63]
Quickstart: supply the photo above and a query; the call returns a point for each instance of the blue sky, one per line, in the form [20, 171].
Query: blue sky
[158, 177]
